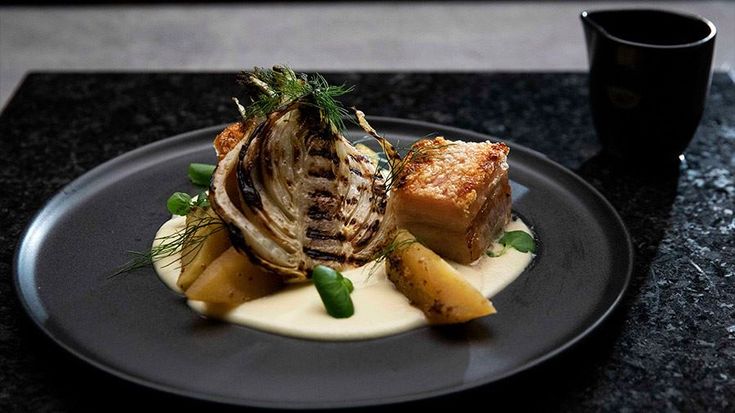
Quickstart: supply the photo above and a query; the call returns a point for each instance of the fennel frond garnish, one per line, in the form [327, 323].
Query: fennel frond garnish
[414, 155]
[189, 238]
[389, 249]
[279, 86]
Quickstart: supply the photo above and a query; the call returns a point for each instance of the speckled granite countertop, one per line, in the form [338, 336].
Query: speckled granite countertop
[669, 346]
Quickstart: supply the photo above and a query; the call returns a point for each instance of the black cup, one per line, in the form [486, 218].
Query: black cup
[650, 72]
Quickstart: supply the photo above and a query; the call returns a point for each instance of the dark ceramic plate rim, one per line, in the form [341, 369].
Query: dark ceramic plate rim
[91, 175]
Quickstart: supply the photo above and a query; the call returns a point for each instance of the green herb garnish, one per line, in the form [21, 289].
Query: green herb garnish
[382, 255]
[200, 173]
[172, 244]
[334, 290]
[181, 203]
[397, 165]
[279, 86]
[519, 240]
[414, 155]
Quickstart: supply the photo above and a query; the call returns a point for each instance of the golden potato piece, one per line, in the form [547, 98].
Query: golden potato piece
[232, 279]
[433, 285]
[198, 253]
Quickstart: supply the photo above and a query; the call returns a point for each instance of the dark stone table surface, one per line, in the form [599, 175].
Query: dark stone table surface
[670, 345]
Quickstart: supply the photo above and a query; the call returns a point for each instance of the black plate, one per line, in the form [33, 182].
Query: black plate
[134, 327]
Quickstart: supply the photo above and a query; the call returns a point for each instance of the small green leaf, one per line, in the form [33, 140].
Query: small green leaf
[179, 203]
[490, 253]
[202, 200]
[520, 240]
[201, 173]
[334, 291]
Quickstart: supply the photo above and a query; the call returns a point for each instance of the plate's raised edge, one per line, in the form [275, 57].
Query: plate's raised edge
[460, 133]
[35, 228]
[68, 190]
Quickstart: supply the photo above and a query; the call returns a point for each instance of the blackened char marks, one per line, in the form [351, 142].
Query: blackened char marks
[322, 151]
[325, 149]
[322, 173]
[249, 194]
[368, 236]
[318, 234]
[359, 158]
[236, 237]
[320, 193]
[380, 206]
[356, 172]
[324, 206]
[320, 255]
[379, 195]
[317, 213]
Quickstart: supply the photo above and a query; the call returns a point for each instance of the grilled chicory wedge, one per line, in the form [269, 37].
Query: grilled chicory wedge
[293, 192]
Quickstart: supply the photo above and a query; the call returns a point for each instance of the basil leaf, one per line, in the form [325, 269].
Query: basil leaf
[179, 203]
[519, 240]
[200, 173]
[334, 291]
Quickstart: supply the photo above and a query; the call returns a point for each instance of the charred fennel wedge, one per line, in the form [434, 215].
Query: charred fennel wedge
[293, 192]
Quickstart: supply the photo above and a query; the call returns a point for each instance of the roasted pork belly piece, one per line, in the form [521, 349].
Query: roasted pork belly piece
[454, 196]
[230, 136]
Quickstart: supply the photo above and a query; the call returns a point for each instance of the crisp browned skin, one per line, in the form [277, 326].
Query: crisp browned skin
[455, 196]
[230, 136]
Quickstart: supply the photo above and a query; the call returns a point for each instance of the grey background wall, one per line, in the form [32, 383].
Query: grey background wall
[315, 36]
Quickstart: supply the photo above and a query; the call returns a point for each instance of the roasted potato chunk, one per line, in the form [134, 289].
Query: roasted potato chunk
[432, 285]
[209, 241]
[232, 279]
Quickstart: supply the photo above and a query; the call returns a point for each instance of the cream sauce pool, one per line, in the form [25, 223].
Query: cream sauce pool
[380, 309]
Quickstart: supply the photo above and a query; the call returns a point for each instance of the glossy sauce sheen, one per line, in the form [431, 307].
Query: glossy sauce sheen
[380, 309]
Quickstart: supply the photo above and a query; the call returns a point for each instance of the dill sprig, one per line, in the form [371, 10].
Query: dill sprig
[189, 241]
[382, 255]
[397, 164]
[324, 99]
[414, 155]
[279, 86]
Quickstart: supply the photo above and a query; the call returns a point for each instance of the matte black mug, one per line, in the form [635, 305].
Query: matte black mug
[650, 72]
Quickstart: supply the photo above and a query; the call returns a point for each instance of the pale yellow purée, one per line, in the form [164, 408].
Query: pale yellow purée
[380, 310]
